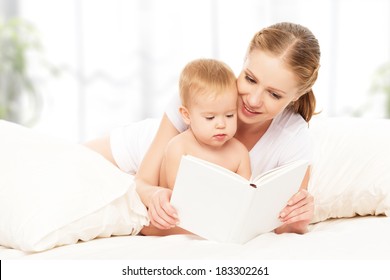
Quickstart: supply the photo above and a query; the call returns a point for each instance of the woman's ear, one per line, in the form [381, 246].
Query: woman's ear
[185, 114]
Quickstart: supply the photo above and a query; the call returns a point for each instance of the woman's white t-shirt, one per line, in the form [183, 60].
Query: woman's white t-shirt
[287, 139]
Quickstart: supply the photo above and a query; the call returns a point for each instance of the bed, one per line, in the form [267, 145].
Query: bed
[337, 239]
[58, 200]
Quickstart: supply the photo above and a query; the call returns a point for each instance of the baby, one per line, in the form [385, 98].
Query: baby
[208, 95]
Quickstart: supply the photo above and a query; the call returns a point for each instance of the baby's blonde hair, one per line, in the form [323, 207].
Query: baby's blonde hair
[208, 77]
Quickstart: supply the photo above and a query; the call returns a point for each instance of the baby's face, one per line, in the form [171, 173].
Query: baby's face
[214, 120]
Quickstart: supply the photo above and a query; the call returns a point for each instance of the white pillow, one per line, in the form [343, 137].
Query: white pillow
[54, 193]
[351, 167]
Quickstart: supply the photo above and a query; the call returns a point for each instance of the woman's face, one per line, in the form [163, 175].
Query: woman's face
[265, 87]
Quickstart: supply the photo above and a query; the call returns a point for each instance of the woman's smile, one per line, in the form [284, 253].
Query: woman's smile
[248, 111]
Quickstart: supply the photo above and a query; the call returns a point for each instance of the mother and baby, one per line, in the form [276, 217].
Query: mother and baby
[268, 117]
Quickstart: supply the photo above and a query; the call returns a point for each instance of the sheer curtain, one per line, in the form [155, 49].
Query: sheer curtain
[120, 60]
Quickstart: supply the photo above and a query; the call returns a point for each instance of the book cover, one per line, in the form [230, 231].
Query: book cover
[218, 204]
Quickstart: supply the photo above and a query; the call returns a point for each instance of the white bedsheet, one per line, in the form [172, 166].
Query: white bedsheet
[353, 238]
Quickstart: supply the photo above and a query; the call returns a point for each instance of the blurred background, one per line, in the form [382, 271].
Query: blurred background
[78, 68]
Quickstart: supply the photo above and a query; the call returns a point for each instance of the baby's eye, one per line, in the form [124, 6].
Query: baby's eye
[209, 118]
[230, 115]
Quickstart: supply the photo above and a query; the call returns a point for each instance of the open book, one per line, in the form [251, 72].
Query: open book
[218, 204]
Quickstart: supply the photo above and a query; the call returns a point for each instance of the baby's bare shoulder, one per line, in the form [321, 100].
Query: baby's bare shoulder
[237, 144]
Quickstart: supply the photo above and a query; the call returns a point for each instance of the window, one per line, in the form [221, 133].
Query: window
[120, 60]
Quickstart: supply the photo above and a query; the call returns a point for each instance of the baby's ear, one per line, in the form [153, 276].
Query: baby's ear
[185, 114]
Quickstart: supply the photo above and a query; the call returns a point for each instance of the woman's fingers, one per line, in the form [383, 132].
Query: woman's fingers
[162, 214]
[300, 216]
[156, 220]
[299, 208]
[302, 194]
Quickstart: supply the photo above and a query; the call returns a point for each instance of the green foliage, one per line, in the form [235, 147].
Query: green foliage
[381, 85]
[19, 99]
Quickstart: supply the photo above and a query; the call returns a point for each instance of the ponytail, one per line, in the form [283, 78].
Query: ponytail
[305, 105]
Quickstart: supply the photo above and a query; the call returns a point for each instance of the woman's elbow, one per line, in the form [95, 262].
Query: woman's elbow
[103, 147]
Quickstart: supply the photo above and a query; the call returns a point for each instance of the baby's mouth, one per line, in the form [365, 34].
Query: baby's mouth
[220, 136]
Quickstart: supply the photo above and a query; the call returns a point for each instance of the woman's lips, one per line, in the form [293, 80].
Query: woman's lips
[248, 111]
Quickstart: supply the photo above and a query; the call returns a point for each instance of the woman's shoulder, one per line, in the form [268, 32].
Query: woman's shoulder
[294, 137]
[172, 112]
[289, 122]
[287, 139]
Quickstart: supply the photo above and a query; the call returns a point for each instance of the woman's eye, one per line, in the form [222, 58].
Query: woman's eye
[275, 95]
[249, 79]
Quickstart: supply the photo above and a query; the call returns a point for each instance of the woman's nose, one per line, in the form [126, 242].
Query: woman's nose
[255, 98]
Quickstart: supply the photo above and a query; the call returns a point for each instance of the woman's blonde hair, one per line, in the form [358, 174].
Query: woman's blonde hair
[208, 77]
[300, 50]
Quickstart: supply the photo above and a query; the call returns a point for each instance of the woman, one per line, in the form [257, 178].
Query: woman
[275, 104]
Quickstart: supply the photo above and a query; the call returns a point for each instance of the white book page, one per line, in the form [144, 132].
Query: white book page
[269, 175]
[270, 198]
[209, 203]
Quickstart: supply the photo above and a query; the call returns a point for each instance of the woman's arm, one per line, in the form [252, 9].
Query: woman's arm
[161, 213]
[155, 198]
[299, 211]
[102, 146]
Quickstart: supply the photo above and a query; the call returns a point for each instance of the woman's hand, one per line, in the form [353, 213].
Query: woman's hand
[298, 213]
[161, 213]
